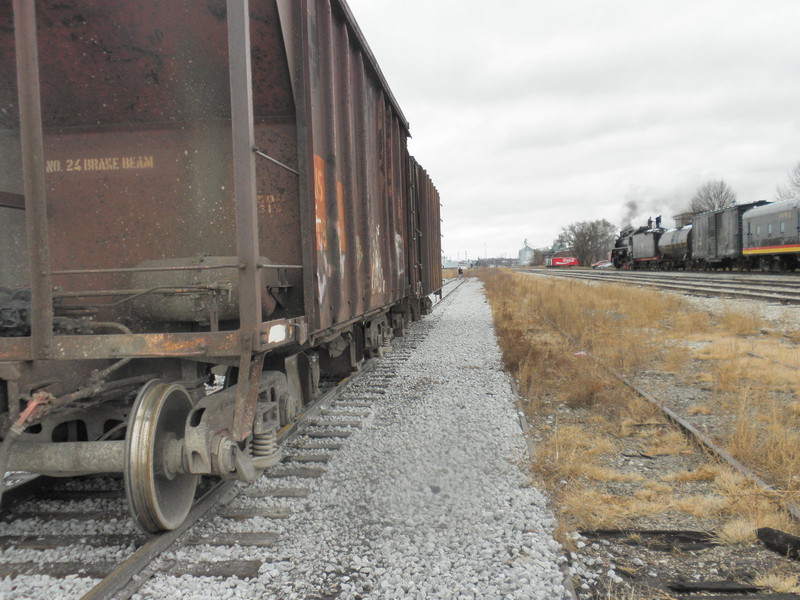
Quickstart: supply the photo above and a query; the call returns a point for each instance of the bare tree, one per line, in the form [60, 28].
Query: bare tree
[588, 240]
[791, 190]
[712, 195]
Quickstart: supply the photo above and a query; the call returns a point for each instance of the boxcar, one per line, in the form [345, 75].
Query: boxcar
[184, 187]
[717, 237]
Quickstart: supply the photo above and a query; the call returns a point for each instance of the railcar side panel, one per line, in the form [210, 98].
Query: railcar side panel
[717, 235]
[645, 246]
[359, 201]
[135, 110]
[771, 234]
[427, 230]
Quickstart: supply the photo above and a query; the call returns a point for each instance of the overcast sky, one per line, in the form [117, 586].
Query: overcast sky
[533, 114]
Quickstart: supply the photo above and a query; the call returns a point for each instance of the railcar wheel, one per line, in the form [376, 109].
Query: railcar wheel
[159, 498]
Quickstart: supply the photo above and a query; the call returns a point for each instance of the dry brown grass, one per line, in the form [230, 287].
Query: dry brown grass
[765, 433]
[667, 442]
[700, 409]
[740, 323]
[570, 452]
[705, 472]
[779, 582]
[546, 328]
[737, 531]
[589, 508]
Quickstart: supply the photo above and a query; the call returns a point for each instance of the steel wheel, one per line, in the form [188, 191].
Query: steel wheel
[158, 497]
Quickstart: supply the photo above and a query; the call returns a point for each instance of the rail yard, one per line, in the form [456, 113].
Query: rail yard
[230, 366]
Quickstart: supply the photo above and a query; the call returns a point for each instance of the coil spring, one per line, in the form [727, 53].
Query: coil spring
[264, 444]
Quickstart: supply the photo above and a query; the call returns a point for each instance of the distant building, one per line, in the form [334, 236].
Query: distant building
[525, 254]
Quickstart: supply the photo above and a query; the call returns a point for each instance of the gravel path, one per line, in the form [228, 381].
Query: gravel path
[427, 501]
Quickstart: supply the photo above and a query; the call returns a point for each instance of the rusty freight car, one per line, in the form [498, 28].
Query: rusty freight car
[185, 186]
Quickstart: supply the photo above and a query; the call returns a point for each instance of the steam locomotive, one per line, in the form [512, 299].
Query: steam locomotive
[758, 235]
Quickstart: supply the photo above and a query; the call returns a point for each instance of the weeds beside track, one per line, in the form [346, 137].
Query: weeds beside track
[587, 422]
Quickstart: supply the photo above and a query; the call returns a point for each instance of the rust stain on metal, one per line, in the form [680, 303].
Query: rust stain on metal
[321, 220]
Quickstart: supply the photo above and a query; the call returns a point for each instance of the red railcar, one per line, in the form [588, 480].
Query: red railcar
[186, 185]
[560, 261]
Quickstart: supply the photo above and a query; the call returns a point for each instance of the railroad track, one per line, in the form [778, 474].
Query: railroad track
[694, 434]
[782, 289]
[688, 546]
[87, 517]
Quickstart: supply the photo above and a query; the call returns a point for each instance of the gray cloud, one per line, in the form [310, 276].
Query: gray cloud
[532, 114]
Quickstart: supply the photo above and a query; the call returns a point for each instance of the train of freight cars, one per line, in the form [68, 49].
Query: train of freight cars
[759, 235]
[189, 189]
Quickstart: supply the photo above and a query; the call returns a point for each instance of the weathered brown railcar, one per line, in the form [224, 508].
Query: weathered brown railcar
[186, 185]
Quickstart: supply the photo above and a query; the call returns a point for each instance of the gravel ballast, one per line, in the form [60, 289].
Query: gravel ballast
[426, 500]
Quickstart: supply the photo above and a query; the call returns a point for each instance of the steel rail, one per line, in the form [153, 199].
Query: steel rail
[705, 441]
[125, 580]
[124, 573]
[690, 286]
[122, 581]
[695, 434]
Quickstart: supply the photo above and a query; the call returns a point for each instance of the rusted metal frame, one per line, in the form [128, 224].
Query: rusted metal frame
[305, 154]
[152, 345]
[384, 120]
[361, 183]
[343, 142]
[347, 161]
[325, 334]
[146, 269]
[244, 185]
[32, 140]
[390, 198]
[288, 331]
[135, 292]
[404, 220]
[414, 232]
[213, 291]
[271, 266]
[244, 409]
[90, 347]
[274, 161]
[401, 208]
[213, 314]
[344, 9]
[327, 113]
